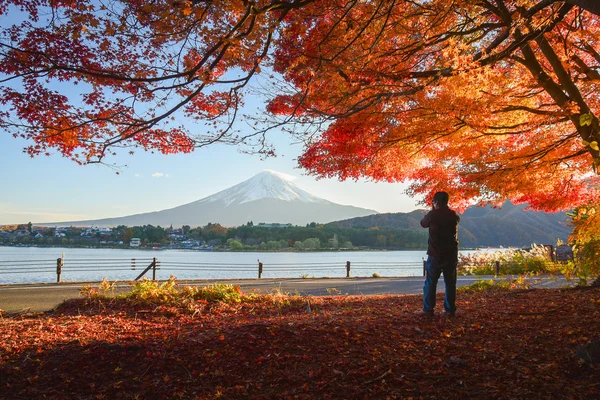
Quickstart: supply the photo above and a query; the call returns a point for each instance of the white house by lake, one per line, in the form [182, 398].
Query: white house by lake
[135, 242]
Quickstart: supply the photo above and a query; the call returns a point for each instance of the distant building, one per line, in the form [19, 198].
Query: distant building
[189, 244]
[274, 225]
[135, 242]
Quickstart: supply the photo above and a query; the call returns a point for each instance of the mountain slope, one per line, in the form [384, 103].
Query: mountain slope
[266, 185]
[266, 197]
[481, 227]
[513, 226]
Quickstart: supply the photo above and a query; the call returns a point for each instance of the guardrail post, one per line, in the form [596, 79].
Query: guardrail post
[424, 268]
[497, 267]
[260, 269]
[59, 264]
[347, 269]
[153, 266]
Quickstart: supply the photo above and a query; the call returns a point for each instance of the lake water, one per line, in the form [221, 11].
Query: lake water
[38, 264]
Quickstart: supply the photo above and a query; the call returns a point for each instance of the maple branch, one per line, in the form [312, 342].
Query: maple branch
[589, 5]
[539, 7]
[357, 35]
[525, 108]
[521, 40]
[527, 128]
[528, 95]
[592, 6]
[349, 6]
[524, 39]
[495, 43]
[590, 50]
[531, 63]
[561, 73]
[534, 157]
[144, 125]
[383, 26]
[504, 16]
[590, 73]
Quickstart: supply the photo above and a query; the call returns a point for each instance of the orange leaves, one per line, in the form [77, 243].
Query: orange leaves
[413, 96]
[139, 65]
[449, 95]
[186, 10]
[274, 352]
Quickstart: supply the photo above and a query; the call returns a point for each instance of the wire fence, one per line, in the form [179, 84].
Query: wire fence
[94, 269]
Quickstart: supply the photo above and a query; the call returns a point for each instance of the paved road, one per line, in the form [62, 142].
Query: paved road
[46, 296]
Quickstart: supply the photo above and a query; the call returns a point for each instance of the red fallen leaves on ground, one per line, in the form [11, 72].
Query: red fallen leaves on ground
[500, 345]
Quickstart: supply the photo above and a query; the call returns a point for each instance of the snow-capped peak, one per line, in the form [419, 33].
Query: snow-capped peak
[267, 184]
[285, 177]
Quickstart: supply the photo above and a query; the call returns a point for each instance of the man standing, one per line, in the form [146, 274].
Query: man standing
[442, 254]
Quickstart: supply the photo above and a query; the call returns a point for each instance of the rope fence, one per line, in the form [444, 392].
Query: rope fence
[62, 266]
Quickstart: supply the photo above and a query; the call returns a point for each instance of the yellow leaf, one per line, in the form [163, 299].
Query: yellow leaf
[586, 119]
[594, 145]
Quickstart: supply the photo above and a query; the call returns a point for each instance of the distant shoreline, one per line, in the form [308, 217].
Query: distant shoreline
[290, 250]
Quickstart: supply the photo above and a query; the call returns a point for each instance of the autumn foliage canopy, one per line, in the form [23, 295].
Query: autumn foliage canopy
[488, 100]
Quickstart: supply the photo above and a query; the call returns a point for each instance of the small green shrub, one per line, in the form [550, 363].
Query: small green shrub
[495, 285]
[215, 293]
[105, 289]
[147, 291]
[482, 286]
[168, 293]
[333, 291]
[168, 298]
[376, 275]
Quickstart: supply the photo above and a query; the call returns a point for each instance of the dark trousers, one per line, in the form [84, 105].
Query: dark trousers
[435, 267]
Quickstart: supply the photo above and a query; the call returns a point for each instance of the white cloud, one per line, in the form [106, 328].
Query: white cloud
[137, 175]
[158, 175]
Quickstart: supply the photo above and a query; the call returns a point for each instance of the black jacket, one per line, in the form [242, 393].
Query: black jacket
[443, 232]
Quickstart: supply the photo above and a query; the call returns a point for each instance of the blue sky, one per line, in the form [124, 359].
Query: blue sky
[52, 189]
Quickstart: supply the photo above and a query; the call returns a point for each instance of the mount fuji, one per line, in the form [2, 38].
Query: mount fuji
[269, 197]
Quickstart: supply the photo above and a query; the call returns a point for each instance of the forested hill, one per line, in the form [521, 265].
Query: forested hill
[481, 227]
